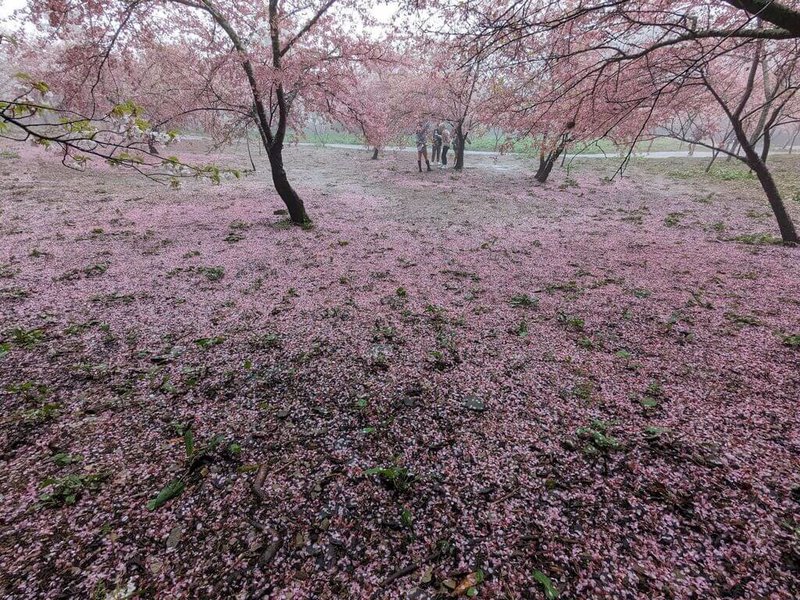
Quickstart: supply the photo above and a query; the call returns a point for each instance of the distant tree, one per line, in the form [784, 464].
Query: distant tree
[457, 92]
[379, 107]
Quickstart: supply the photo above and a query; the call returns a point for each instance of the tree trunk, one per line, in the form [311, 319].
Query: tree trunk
[767, 143]
[785, 224]
[460, 142]
[759, 167]
[272, 142]
[794, 138]
[714, 155]
[734, 149]
[752, 158]
[297, 211]
[546, 163]
[151, 145]
[375, 154]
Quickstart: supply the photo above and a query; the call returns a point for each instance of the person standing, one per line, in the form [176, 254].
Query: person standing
[446, 139]
[422, 145]
[437, 145]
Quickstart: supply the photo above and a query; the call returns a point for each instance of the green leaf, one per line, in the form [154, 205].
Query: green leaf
[472, 592]
[142, 124]
[62, 459]
[213, 443]
[523, 301]
[4, 349]
[407, 518]
[206, 343]
[648, 402]
[188, 442]
[368, 430]
[129, 107]
[172, 490]
[550, 592]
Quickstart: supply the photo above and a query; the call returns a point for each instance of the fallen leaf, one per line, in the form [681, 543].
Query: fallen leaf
[550, 592]
[470, 581]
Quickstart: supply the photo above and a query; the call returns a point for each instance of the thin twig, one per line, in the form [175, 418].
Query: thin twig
[505, 497]
[258, 482]
[408, 570]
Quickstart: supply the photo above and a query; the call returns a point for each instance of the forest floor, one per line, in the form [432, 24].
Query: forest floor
[452, 385]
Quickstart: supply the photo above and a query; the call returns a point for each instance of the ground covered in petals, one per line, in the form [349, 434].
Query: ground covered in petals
[452, 385]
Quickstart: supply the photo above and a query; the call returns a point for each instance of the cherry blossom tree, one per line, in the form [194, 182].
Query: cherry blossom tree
[379, 107]
[791, 137]
[635, 62]
[749, 96]
[225, 62]
[456, 91]
[459, 94]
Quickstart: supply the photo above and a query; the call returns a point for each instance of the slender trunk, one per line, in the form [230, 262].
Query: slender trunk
[730, 147]
[546, 163]
[297, 211]
[751, 157]
[714, 155]
[273, 142]
[151, 145]
[545, 166]
[794, 138]
[375, 154]
[735, 147]
[767, 143]
[461, 141]
[768, 98]
[759, 167]
[785, 224]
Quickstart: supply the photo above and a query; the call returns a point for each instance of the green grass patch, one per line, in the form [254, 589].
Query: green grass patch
[732, 174]
[758, 239]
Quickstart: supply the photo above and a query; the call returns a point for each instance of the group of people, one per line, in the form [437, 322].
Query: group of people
[440, 140]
